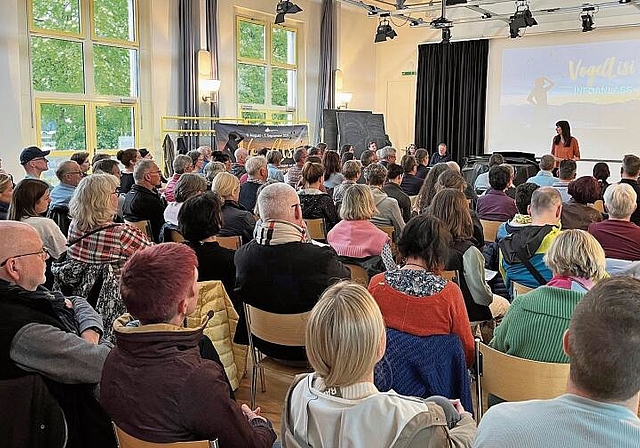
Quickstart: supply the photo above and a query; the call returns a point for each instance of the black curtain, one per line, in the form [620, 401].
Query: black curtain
[188, 14]
[451, 97]
[212, 44]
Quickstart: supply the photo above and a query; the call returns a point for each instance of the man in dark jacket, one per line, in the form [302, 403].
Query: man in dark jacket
[281, 271]
[143, 203]
[43, 333]
[155, 384]
[393, 190]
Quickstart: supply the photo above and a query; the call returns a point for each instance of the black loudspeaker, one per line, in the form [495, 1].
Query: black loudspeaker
[524, 163]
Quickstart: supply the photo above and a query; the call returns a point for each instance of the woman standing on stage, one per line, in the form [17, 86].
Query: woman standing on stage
[564, 146]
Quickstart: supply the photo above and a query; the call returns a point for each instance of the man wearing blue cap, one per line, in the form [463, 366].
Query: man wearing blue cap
[34, 161]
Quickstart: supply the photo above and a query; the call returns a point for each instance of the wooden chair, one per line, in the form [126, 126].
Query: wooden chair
[281, 329]
[128, 441]
[516, 379]
[389, 230]
[145, 226]
[230, 242]
[599, 205]
[175, 236]
[490, 229]
[519, 289]
[358, 274]
[316, 229]
[452, 276]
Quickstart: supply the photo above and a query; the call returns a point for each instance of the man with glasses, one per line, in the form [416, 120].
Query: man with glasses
[34, 161]
[70, 175]
[143, 203]
[44, 333]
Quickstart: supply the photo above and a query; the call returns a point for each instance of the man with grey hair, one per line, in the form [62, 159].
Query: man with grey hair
[70, 175]
[238, 169]
[181, 164]
[618, 236]
[143, 203]
[389, 213]
[294, 173]
[522, 253]
[441, 156]
[545, 177]
[257, 175]
[387, 155]
[281, 270]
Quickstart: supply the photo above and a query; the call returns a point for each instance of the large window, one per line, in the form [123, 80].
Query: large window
[84, 67]
[266, 71]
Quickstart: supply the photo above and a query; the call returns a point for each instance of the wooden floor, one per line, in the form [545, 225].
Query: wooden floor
[271, 401]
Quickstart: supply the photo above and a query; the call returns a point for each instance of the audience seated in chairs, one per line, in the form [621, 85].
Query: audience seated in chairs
[601, 173]
[450, 206]
[6, 193]
[98, 247]
[395, 175]
[388, 213]
[236, 220]
[294, 173]
[189, 185]
[415, 299]
[274, 158]
[351, 170]
[577, 213]
[545, 177]
[315, 203]
[428, 190]
[422, 159]
[600, 406]
[69, 175]
[181, 164]
[46, 334]
[82, 159]
[534, 325]
[566, 174]
[143, 203]
[29, 201]
[179, 395]
[522, 253]
[200, 221]
[332, 406]
[618, 236]
[273, 272]
[356, 239]
[128, 157]
[481, 183]
[495, 205]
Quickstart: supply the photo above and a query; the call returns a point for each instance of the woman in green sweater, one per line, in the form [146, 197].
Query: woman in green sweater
[535, 322]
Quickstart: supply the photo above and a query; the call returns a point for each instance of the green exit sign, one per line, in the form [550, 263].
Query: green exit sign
[409, 73]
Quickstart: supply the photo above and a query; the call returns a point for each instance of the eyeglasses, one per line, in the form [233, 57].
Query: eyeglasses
[296, 205]
[39, 158]
[40, 252]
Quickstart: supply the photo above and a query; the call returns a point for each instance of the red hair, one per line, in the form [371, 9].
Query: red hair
[155, 279]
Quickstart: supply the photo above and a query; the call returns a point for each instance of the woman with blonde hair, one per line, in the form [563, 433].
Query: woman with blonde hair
[356, 236]
[6, 193]
[94, 237]
[236, 220]
[535, 323]
[314, 202]
[338, 404]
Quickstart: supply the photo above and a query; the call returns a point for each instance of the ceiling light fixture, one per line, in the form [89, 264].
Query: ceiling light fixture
[520, 19]
[285, 7]
[384, 31]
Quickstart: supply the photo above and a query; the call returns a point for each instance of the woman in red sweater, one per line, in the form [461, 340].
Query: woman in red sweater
[415, 299]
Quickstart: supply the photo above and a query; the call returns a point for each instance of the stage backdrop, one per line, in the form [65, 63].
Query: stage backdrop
[252, 137]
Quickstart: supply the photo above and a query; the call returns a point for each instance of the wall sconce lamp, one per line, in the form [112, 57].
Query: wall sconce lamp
[210, 88]
[343, 99]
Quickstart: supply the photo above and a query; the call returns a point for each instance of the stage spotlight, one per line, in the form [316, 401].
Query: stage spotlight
[285, 7]
[587, 22]
[384, 32]
[522, 18]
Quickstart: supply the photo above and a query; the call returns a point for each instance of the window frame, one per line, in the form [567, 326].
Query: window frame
[268, 108]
